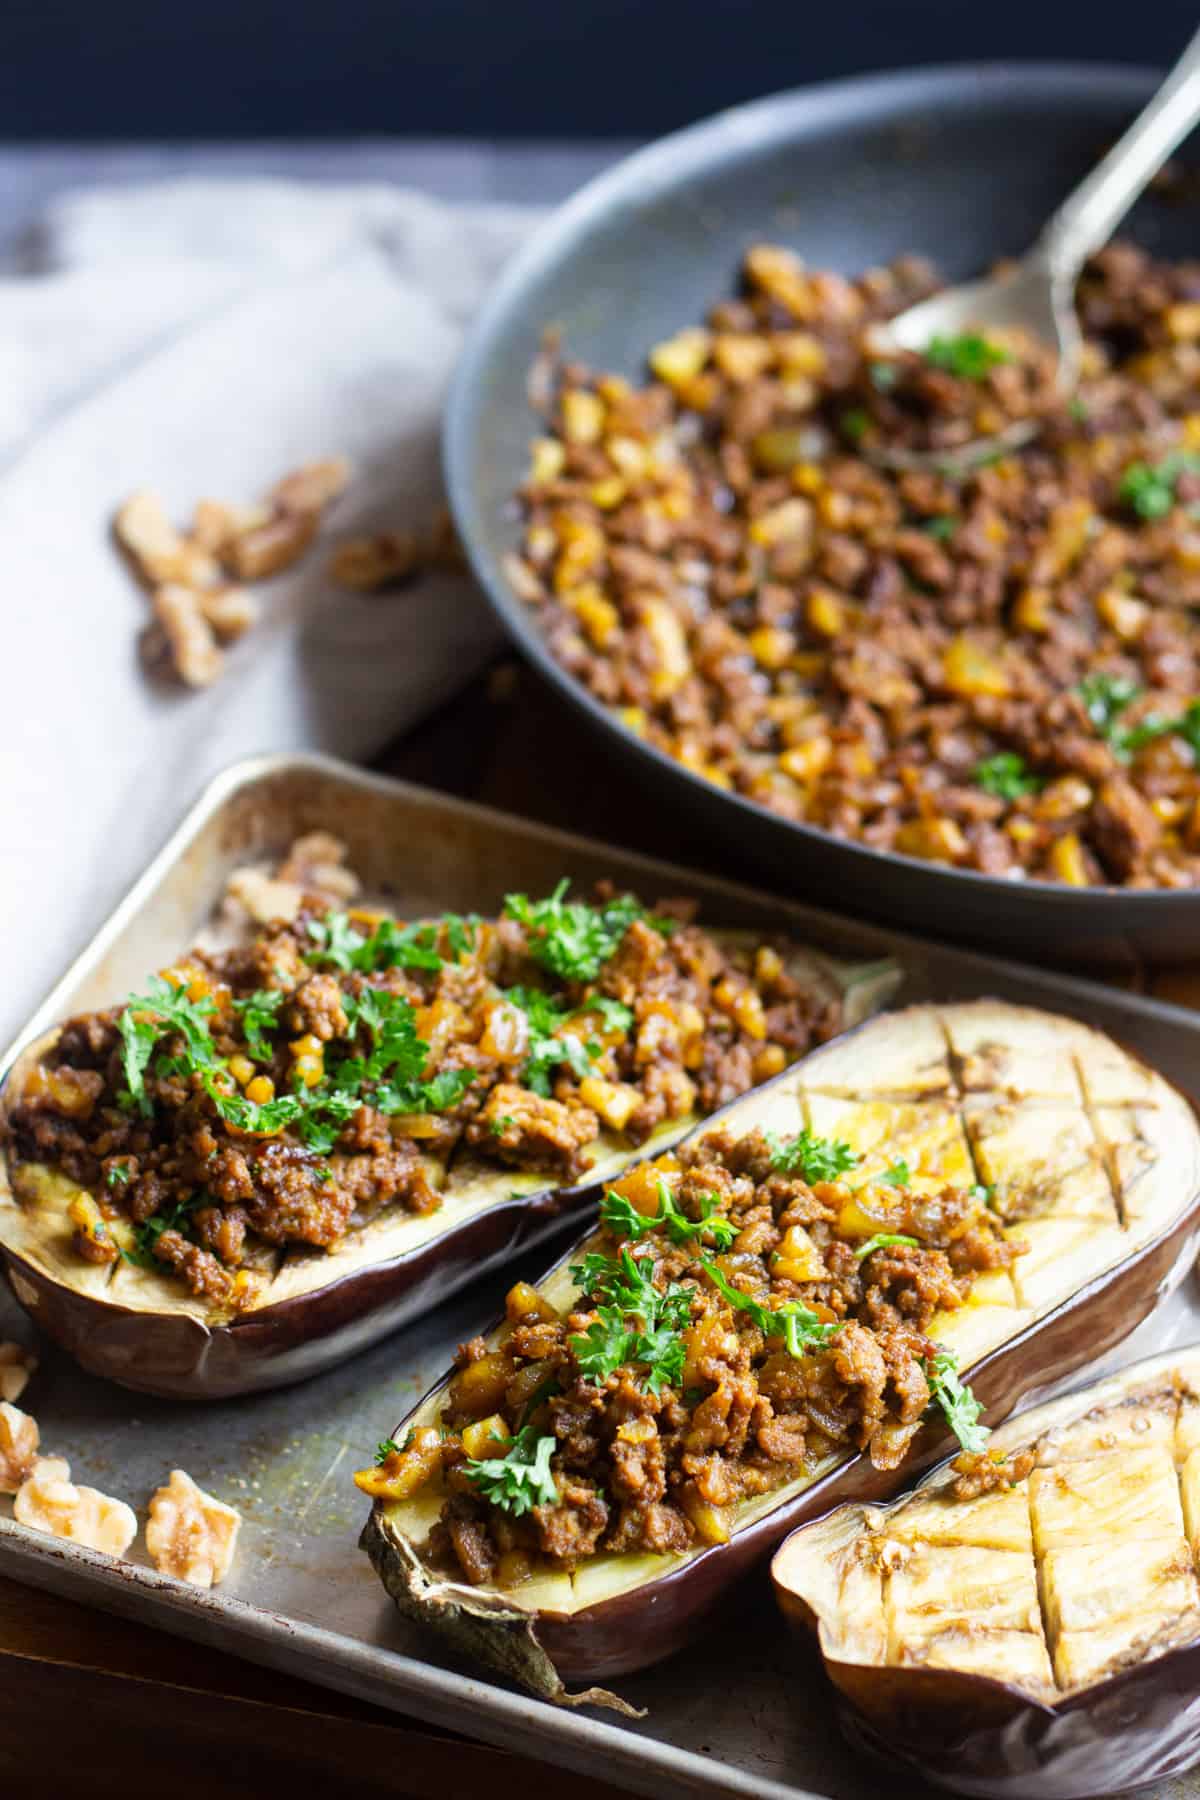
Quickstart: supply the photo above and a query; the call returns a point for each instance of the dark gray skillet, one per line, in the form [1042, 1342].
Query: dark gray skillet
[962, 164]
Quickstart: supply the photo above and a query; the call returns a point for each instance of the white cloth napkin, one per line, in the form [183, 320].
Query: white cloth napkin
[202, 338]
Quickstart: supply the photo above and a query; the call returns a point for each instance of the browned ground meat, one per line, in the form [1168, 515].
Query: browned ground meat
[995, 670]
[283, 1091]
[637, 1462]
[979, 1473]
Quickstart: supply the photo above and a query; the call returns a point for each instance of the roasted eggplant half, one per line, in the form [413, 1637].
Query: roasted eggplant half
[300, 1136]
[919, 1223]
[1026, 1625]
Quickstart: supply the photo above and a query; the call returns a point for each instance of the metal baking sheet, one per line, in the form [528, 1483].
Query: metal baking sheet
[754, 1720]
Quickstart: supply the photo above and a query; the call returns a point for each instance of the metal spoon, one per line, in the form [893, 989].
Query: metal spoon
[1037, 296]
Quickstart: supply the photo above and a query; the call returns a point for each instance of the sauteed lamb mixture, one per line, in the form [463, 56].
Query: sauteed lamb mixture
[285, 1090]
[996, 671]
[743, 1314]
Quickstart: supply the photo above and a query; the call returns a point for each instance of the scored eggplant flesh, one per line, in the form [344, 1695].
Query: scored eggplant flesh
[312, 1307]
[1055, 1594]
[1094, 1157]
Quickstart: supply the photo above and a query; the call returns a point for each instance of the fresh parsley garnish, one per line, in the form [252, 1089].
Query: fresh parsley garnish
[1149, 488]
[1105, 697]
[117, 1175]
[855, 424]
[798, 1325]
[624, 1220]
[175, 1217]
[550, 1046]
[636, 1321]
[521, 1478]
[1006, 775]
[614, 1015]
[815, 1158]
[259, 1014]
[883, 1240]
[150, 1016]
[897, 1173]
[339, 945]
[570, 938]
[384, 1448]
[942, 527]
[970, 356]
[960, 1408]
[266, 1117]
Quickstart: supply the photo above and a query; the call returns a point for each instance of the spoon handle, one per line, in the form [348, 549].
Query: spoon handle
[1089, 216]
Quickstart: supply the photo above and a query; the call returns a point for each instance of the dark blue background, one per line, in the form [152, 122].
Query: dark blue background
[513, 68]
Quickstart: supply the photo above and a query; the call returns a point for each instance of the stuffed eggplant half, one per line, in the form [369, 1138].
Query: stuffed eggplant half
[943, 1210]
[283, 1147]
[1028, 1628]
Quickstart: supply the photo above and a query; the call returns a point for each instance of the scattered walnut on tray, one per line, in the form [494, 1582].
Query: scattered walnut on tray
[18, 1447]
[16, 1366]
[190, 1534]
[48, 1500]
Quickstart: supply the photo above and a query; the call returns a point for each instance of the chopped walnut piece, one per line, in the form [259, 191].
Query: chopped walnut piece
[269, 549]
[160, 553]
[230, 611]
[16, 1366]
[189, 1534]
[215, 523]
[18, 1446]
[367, 564]
[311, 488]
[316, 862]
[48, 1500]
[193, 646]
[263, 897]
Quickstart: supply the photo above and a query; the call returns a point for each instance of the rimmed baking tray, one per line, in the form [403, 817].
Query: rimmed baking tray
[753, 1721]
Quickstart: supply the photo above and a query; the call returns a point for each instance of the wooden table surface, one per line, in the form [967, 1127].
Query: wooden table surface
[101, 1706]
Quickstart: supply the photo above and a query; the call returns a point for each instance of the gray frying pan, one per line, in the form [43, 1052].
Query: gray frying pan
[962, 164]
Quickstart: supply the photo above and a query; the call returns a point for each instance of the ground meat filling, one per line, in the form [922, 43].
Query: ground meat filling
[996, 670]
[283, 1091]
[646, 1445]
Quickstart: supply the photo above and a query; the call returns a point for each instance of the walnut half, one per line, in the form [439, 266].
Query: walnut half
[189, 1534]
[16, 1366]
[18, 1447]
[48, 1500]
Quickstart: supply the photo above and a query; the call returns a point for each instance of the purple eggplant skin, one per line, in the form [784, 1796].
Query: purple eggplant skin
[645, 1624]
[1135, 1730]
[178, 1357]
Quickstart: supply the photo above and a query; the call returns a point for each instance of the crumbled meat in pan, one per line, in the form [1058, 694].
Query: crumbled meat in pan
[997, 670]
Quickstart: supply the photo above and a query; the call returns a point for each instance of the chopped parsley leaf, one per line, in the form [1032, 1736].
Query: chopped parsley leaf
[146, 1235]
[636, 1321]
[624, 1220]
[117, 1175]
[521, 1478]
[799, 1326]
[855, 424]
[1007, 776]
[970, 356]
[259, 1014]
[499, 1126]
[570, 938]
[815, 1158]
[390, 946]
[150, 1016]
[1105, 697]
[942, 527]
[1149, 488]
[959, 1406]
[883, 1240]
[897, 1174]
[549, 1045]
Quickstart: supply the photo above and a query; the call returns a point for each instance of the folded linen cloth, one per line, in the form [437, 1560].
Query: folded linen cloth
[203, 338]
